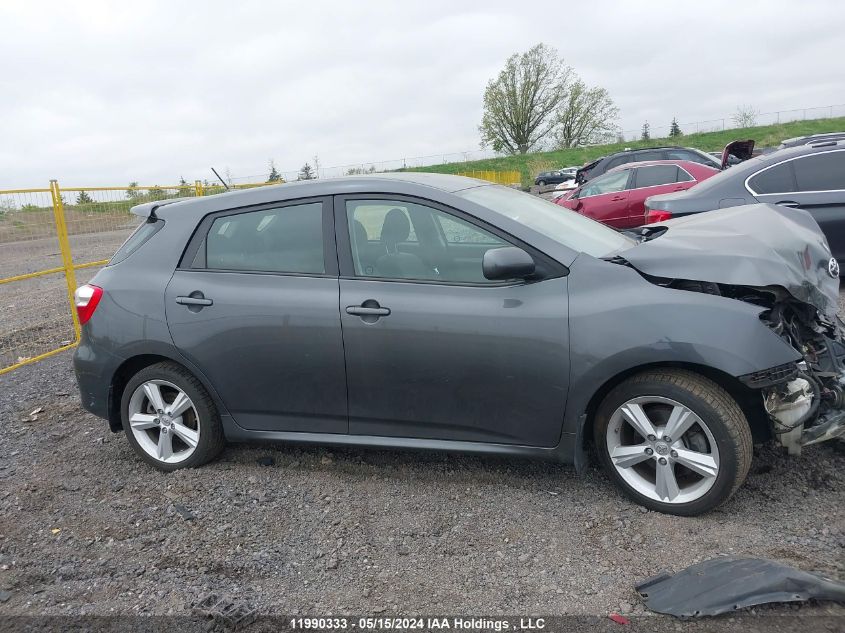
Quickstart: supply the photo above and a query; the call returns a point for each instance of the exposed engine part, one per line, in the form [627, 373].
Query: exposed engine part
[790, 406]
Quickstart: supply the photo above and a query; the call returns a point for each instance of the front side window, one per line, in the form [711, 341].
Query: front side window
[821, 172]
[398, 239]
[656, 175]
[285, 240]
[777, 179]
[608, 183]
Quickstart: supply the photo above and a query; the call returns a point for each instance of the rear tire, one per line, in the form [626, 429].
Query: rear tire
[170, 419]
[690, 473]
[541, 183]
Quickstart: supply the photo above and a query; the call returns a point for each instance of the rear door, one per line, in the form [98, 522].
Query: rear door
[254, 304]
[815, 182]
[651, 181]
[434, 350]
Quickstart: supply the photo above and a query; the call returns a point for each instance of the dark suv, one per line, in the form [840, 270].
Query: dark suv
[606, 163]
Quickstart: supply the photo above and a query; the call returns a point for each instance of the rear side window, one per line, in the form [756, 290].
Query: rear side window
[820, 172]
[777, 179]
[656, 175]
[285, 240]
[619, 160]
[138, 238]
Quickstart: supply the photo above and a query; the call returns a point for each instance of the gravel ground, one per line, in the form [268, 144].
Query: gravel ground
[86, 528]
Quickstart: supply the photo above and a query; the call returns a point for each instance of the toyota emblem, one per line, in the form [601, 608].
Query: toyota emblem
[833, 268]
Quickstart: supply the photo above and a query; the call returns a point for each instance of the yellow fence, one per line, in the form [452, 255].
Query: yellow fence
[52, 239]
[500, 177]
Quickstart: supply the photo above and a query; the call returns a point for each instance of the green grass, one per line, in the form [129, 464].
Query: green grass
[530, 164]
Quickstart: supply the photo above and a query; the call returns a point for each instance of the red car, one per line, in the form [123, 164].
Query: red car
[617, 198]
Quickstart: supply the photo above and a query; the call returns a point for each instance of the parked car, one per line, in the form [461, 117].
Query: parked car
[812, 138]
[606, 163]
[617, 198]
[429, 311]
[810, 177]
[552, 177]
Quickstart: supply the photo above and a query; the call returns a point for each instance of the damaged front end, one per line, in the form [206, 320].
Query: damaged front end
[778, 259]
[804, 401]
[810, 406]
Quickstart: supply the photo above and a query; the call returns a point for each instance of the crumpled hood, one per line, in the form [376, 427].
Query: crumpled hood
[754, 245]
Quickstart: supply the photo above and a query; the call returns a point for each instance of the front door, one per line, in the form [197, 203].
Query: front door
[255, 307]
[605, 199]
[433, 349]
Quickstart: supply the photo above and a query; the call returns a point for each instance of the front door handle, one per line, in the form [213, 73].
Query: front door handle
[195, 301]
[617, 198]
[788, 203]
[363, 311]
[370, 311]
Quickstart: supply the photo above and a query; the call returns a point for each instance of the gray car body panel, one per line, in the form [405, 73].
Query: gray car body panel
[756, 245]
[617, 322]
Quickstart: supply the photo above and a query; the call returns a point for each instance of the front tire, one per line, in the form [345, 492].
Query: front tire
[541, 183]
[673, 441]
[169, 418]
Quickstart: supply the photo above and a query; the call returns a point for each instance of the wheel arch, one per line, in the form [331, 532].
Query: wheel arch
[131, 366]
[748, 400]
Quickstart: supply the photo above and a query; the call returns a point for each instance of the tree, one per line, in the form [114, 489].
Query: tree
[84, 198]
[520, 103]
[306, 173]
[646, 133]
[132, 194]
[586, 115]
[675, 129]
[274, 176]
[745, 116]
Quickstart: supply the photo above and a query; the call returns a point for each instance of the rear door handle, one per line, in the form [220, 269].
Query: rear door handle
[362, 311]
[617, 198]
[788, 203]
[194, 301]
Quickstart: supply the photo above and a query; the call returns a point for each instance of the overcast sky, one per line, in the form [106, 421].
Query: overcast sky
[108, 92]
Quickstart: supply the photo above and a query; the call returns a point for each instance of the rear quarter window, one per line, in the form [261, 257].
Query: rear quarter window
[139, 237]
[777, 179]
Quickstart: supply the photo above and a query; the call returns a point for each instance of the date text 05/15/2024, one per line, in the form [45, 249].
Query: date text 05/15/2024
[475, 624]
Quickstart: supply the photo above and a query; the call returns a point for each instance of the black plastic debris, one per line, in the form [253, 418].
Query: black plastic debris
[266, 461]
[727, 584]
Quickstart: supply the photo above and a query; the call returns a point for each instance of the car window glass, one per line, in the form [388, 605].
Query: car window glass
[650, 155]
[416, 242]
[683, 175]
[605, 184]
[820, 172]
[287, 239]
[567, 228]
[656, 175]
[777, 179]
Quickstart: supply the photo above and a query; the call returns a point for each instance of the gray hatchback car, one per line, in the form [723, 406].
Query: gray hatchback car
[426, 311]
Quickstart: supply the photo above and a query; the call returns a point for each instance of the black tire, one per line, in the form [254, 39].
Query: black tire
[541, 183]
[211, 440]
[714, 406]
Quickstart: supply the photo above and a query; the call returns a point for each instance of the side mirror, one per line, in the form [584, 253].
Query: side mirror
[509, 262]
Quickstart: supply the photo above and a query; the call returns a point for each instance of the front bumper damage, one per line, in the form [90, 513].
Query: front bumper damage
[805, 402]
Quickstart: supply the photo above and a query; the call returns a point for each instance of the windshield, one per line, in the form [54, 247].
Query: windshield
[562, 225]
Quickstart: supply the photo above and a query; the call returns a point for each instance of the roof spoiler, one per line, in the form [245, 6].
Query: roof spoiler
[148, 209]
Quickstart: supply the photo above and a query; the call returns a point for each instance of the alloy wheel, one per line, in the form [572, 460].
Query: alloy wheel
[164, 421]
[662, 449]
